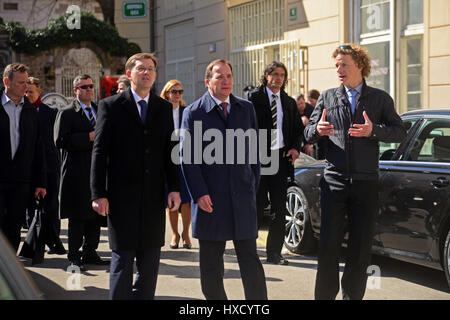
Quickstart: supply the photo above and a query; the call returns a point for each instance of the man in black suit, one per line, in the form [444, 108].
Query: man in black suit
[131, 162]
[74, 134]
[21, 155]
[276, 112]
[47, 116]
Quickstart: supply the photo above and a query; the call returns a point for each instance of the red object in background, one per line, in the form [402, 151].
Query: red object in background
[108, 86]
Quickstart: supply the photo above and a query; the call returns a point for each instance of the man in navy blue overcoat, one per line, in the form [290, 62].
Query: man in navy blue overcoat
[221, 167]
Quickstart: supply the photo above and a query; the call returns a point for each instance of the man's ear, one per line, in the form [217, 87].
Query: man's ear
[6, 81]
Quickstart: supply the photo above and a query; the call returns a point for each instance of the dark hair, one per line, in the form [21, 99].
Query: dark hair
[271, 68]
[78, 79]
[14, 67]
[313, 94]
[208, 72]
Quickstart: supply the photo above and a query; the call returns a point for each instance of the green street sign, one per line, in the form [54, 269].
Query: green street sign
[293, 14]
[134, 9]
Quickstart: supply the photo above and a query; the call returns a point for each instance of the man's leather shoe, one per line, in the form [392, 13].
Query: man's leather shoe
[277, 259]
[57, 250]
[94, 259]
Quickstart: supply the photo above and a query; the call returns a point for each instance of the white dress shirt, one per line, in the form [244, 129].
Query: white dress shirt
[280, 140]
[13, 112]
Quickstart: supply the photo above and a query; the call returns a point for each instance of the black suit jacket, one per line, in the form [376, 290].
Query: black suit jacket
[292, 123]
[28, 165]
[71, 134]
[47, 117]
[131, 162]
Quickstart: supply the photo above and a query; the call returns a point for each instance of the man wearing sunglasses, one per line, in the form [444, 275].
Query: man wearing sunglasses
[74, 134]
[351, 119]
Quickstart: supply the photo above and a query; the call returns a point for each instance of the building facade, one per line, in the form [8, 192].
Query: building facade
[408, 40]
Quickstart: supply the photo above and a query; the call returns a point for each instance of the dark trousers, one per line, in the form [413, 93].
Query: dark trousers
[212, 269]
[121, 274]
[13, 201]
[276, 187]
[83, 233]
[359, 201]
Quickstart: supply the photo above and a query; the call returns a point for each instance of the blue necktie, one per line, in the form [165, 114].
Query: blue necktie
[91, 116]
[352, 95]
[144, 108]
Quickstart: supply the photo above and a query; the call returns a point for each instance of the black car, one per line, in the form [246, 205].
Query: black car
[413, 222]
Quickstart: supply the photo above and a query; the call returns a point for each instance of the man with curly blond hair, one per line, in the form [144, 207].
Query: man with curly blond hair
[351, 119]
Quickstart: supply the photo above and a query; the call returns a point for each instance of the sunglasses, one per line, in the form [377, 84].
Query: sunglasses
[345, 47]
[84, 87]
[176, 91]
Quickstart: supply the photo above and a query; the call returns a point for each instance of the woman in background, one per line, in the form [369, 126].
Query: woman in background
[173, 92]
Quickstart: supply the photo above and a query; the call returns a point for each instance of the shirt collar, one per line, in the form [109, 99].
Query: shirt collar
[6, 99]
[357, 88]
[137, 98]
[84, 106]
[218, 102]
[270, 93]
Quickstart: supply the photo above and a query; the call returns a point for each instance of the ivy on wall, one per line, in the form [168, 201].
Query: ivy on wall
[57, 34]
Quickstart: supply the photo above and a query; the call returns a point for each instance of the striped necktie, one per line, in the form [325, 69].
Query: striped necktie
[273, 109]
[274, 133]
[91, 116]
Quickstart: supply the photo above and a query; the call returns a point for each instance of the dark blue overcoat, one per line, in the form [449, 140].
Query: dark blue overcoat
[224, 167]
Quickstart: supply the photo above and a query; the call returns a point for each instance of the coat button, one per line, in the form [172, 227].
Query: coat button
[145, 132]
[147, 171]
[147, 151]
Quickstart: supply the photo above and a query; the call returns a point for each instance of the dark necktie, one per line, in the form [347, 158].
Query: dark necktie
[91, 116]
[224, 105]
[273, 109]
[144, 108]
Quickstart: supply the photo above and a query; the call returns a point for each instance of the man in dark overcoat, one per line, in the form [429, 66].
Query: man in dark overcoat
[74, 134]
[223, 182]
[131, 163]
[277, 112]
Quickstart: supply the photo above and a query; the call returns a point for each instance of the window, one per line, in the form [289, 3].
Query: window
[374, 31]
[411, 55]
[432, 143]
[392, 30]
[180, 57]
[387, 149]
[10, 6]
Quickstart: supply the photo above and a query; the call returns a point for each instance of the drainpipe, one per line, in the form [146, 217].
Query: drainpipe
[152, 5]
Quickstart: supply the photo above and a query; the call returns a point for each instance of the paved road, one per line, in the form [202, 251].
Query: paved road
[179, 276]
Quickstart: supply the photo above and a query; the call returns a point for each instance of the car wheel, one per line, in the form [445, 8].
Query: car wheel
[298, 234]
[446, 257]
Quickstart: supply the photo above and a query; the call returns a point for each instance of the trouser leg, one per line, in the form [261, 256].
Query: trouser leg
[334, 206]
[252, 272]
[363, 208]
[121, 275]
[147, 264]
[212, 269]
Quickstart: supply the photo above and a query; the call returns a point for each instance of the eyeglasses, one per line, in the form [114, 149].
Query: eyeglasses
[173, 91]
[346, 47]
[143, 69]
[84, 87]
